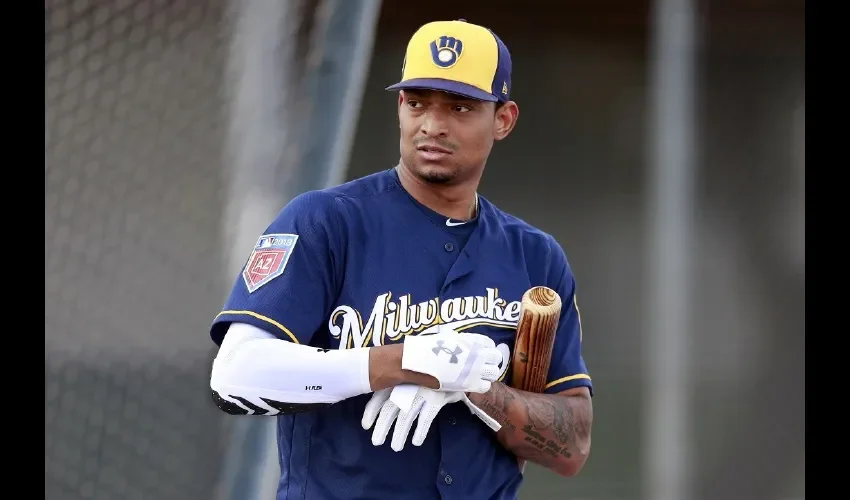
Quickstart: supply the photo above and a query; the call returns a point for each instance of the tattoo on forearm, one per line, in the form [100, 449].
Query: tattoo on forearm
[537, 427]
[500, 416]
[548, 414]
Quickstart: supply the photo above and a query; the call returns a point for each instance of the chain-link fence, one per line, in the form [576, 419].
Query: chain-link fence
[135, 126]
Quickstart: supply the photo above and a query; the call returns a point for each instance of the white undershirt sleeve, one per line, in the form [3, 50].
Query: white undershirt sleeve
[257, 373]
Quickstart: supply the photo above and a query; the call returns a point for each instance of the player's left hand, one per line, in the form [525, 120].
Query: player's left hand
[427, 403]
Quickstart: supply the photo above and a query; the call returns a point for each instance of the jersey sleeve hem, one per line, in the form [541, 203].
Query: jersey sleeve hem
[258, 320]
[569, 382]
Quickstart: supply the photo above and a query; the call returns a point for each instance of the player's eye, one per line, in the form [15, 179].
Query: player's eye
[462, 109]
[414, 104]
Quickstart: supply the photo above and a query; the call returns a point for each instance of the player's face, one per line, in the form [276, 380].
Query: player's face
[445, 138]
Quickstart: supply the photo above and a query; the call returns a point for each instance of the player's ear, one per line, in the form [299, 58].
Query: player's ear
[400, 104]
[506, 117]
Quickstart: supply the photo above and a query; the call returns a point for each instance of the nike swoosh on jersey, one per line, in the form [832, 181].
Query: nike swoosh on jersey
[452, 224]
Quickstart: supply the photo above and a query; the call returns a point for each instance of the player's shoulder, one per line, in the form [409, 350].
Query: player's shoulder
[516, 228]
[367, 186]
[539, 247]
[320, 203]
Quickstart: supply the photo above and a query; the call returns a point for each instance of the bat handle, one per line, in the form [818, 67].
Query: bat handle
[521, 463]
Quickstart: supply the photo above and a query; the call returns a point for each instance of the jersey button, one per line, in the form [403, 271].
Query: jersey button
[449, 247]
[452, 420]
[448, 479]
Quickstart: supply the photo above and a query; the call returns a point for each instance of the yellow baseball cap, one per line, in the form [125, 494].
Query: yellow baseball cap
[457, 57]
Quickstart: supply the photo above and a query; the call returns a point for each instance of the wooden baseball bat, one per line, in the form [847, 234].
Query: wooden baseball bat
[540, 313]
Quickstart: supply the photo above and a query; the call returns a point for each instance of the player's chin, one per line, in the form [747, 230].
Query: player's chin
[437, 173]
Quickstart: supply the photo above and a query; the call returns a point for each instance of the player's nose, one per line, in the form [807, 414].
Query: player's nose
[434, 124]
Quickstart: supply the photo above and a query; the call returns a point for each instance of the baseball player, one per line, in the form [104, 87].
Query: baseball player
[389, 304]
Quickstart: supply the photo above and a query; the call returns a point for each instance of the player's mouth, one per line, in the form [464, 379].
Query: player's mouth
[431, 152]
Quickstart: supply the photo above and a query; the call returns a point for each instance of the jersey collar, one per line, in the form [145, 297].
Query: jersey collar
[437, 218]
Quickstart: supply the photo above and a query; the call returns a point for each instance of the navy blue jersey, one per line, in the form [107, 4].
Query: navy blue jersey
[364, 264]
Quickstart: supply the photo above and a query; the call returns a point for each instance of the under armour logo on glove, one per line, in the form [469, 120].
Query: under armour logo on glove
[465, 362]
[441, 348]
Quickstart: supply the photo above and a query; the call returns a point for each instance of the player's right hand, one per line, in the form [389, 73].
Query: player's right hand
[466, 362]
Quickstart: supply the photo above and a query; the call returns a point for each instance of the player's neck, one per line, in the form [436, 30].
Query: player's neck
[453, 201]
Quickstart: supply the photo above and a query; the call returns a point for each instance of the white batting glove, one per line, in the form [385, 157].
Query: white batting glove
[405, 403]
[427, 403]
[465, 362]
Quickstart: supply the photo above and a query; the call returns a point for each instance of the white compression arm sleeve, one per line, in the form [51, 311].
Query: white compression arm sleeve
[257, 373]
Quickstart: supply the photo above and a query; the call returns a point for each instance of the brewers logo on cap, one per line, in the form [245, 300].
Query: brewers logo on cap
[445, 51]
[457, 57]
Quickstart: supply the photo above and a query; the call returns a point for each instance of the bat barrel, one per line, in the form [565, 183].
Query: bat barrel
[540, 313]
[542, 300]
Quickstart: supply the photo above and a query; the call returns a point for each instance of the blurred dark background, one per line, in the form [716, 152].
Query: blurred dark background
[153, 140]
